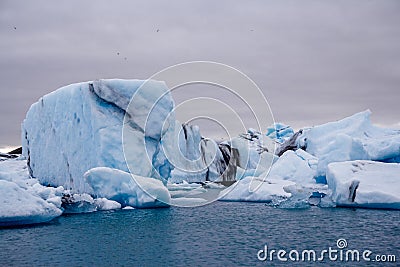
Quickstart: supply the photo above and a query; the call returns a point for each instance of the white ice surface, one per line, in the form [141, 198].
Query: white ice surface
[297, 166]
[378, 184]
[17, 206]
[256, 189]
[126, 189]
[352, 138]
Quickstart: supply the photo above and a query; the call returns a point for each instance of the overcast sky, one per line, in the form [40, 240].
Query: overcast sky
[315, 61]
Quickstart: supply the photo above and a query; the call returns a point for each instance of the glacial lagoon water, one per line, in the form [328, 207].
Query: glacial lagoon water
[219, 234]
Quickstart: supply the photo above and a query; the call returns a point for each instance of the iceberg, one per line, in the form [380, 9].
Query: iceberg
[80, 126]
[106, 204]
[189, 165]
[188, 202]
[200, 160]
[16, 171]
[127, 125]
[292, 168]
[78, 203]
[280, 132]
[255, 153]
[127, 189]
[352, 138]
[115, 143]
[19, 207]
[296, 166]
[365, 184]
[257, 189]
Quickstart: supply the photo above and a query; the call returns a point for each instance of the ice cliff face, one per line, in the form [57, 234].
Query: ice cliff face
[80, 126]
[202, 159]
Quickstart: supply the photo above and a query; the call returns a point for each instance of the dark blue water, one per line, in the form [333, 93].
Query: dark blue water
[220, 234]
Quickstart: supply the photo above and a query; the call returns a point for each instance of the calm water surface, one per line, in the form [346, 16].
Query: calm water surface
[220, 234]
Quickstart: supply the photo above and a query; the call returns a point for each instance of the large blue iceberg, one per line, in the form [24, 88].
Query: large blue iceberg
[108, 144]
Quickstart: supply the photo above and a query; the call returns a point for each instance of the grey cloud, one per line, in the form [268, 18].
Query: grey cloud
[315, 61]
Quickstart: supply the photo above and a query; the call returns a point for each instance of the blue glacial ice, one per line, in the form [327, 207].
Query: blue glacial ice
[366, 184]
[18, 206]
[127, 189]
[81, 142]
[352, 138]
[88, 117]
[293, 173]
[24, 200]
[317, 150]
[257, 189]
[279, 132]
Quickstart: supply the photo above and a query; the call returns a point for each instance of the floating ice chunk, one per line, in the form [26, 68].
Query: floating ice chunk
[256, 189]
[179, 193]
[78, 203]
[352, 138]
[184, 186]
[187, 202]
[128, 190]
[242, 173]
[16, 170]
[212, 159]
[196, 159]
[179, 190]
[304, 196]
[365, 184]
[297, 166]
[56, 201]
[105, 204]
[292, 168]
[212, 185]
[196, 191]
[312, 161]
[17, 206]
[254, 154]
[46, 192]
[187, 157]
[248, 156]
